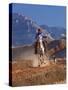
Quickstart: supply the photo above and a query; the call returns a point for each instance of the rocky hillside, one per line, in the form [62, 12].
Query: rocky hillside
[57, 48]
[56, 32]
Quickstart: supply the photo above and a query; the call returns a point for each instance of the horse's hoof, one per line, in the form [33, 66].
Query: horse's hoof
[38, 65]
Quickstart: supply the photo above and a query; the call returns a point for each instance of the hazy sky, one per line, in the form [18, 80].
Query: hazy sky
[43, 14]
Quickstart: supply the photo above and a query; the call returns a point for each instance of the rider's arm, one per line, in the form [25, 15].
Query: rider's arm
[44, 36]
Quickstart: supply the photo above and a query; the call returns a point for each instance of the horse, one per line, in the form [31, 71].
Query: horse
[40, 50]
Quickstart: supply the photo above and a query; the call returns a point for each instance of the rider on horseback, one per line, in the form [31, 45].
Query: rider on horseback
[39, 38]
[40, 46]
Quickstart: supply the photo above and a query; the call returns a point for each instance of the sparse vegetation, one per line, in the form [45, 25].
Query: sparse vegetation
[23, 74]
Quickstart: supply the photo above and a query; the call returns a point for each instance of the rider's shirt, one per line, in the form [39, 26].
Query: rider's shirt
[39, 36]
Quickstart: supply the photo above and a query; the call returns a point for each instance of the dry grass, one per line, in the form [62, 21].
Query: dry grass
[23, 74]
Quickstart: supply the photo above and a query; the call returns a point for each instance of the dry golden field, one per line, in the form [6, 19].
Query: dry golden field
[23, 74]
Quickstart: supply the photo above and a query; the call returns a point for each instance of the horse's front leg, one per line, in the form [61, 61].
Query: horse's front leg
[42, 60]
[39, 60]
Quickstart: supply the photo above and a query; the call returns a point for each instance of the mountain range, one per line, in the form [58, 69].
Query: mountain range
[24, 30]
